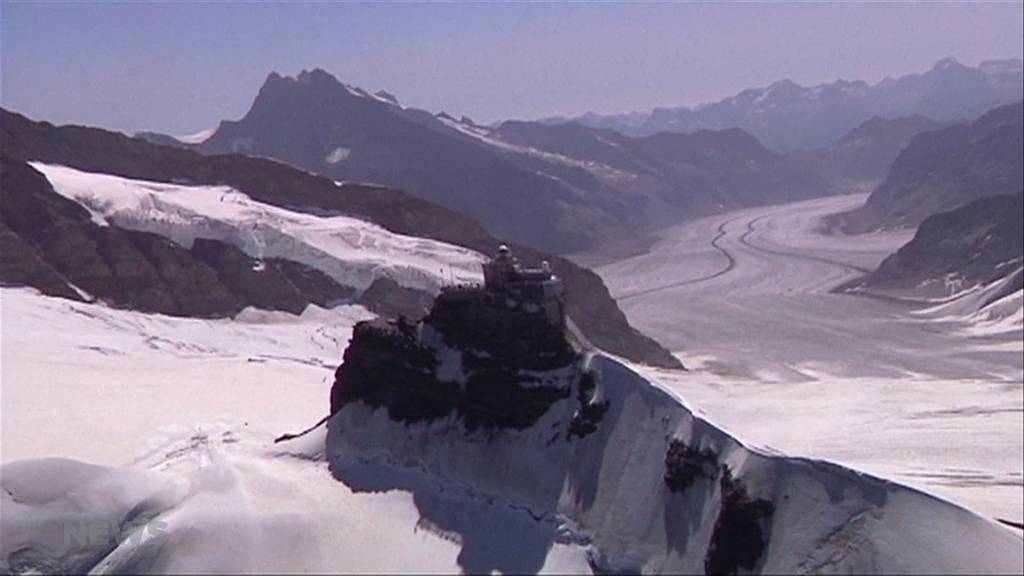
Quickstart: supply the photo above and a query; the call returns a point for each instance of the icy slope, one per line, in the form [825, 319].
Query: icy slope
[985, 309]
[352, 251]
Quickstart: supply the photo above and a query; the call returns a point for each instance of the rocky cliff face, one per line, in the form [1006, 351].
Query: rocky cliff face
[475, 358]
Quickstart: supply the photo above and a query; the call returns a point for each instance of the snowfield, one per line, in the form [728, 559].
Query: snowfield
[931, 395]
[109, 386]
[177, 417]
[352, 251]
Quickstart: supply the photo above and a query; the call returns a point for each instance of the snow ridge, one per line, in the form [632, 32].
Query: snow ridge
[610, 490]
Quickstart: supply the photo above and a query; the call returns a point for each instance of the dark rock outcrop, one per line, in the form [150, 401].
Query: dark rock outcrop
[312, 284]
[684, 465]
[389, 299]
[591, 411]
[495, 354]
[271, 284]
[740, 534]
[22, 265]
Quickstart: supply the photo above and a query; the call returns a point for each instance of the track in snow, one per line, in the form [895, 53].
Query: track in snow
[730, 264]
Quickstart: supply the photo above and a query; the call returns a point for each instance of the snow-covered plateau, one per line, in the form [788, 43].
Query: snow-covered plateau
[145, 443]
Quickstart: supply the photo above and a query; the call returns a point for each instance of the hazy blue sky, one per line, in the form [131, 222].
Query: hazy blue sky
[179, 67]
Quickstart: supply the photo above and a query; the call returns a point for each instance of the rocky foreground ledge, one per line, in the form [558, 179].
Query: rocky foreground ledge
[519, 445]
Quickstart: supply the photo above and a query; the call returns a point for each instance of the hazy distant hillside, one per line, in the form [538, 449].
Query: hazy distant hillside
[566, 188]
[270, 182]
[974, 244]
[317, 123]
[669, 176]
[787, 116]
[863, 156]
[947, 168]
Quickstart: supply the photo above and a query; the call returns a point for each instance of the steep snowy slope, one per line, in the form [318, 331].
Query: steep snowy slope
[606, 458]
[352, 251]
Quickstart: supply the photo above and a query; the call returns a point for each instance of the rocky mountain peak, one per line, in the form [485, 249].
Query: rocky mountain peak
[477, 356]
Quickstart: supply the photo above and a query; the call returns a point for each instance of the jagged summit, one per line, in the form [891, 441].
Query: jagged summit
[789, 117]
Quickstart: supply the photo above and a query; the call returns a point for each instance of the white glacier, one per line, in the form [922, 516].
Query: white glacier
[352, 251]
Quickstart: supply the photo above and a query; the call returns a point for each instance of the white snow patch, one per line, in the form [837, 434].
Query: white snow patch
[1005, 315]
[337, 155]
[198, 137]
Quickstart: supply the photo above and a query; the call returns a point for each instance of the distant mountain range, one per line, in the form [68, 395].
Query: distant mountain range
[558, 188]
[962, 185]
[787, 117]
[947, 168]
[862, 157]
[54, 245]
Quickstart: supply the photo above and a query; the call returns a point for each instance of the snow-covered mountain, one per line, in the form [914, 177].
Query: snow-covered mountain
[588, 467]
[339, 236]
[788, 117]
[559, 188]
